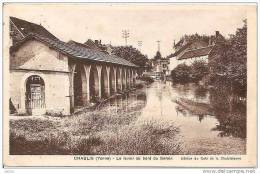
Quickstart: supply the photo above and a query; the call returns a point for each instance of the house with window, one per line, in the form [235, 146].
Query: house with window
[187, 51]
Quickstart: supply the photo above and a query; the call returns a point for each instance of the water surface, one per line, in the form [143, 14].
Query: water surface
[215, 133]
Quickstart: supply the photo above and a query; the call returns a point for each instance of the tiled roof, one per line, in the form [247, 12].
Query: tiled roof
[26, 27]
[75, 51]
[91, 44]
[196, 52]
[179, 43]
[179, 50]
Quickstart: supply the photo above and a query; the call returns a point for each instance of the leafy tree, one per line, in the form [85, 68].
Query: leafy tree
[131, 54]
[193, 73]
[199, 69]
[228, 62]
[196, 37]
[181, 74]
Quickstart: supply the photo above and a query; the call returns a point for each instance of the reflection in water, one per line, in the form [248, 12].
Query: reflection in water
[126, 102]
[202, 116]
[230, 114]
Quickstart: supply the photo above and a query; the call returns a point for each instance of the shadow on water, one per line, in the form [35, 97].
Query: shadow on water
[125, 102]
[229, 110]
[230, 113]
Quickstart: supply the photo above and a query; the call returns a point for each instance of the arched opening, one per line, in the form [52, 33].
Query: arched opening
[127, 79]
[80, 86]
[93, 84]
[134, 76]
[112, 81]
[131, 78]
[35, 95]
[104, 82]
[123, 79]
[118, 80]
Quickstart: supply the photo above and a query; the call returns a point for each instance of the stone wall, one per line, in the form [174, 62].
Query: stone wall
[35, 58]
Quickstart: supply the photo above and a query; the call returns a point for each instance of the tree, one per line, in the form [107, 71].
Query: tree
[199, 69]
[181, 74]
[158, 55]
[193, 73]
[131, 54]
[196, 37]
[228, 62]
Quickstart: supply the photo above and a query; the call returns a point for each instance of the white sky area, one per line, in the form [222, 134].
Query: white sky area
[145, 22]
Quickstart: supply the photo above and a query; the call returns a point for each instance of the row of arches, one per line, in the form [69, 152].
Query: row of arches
[93, 82]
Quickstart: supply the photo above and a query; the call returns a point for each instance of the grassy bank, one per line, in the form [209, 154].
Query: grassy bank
[109, 130]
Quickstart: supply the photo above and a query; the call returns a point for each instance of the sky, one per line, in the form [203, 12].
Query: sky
[145, 22]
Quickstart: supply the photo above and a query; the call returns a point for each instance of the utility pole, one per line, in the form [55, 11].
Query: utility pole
[158, 41]
[140, 43]
[125, 35]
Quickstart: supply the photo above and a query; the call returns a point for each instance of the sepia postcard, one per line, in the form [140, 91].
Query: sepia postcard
[130, 84]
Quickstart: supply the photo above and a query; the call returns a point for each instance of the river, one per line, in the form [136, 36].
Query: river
[219, 132]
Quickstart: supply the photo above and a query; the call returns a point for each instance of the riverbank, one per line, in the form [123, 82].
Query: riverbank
[195, 107]
[143, 122]
[111, 130]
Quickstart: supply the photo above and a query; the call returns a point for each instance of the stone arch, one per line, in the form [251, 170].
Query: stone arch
[35, 95]
[104, 83]
[134, 77]
[71, 88]
[93, 84]
[126, 78]
[23, 89]
[112, 80]
[130, 78]
[118, 79]
[123, 77]
[80, 86]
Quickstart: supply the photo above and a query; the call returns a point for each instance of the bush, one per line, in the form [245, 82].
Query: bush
[199, 69]
[193, 73]
[181, 74]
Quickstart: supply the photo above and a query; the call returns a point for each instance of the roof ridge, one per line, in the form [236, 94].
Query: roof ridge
[11, 17]
[31, 27]
[77, 52]
[199, 48]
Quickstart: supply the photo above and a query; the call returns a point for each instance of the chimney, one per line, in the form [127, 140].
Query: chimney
[100, 42]
[217, 33]
[96, 42]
